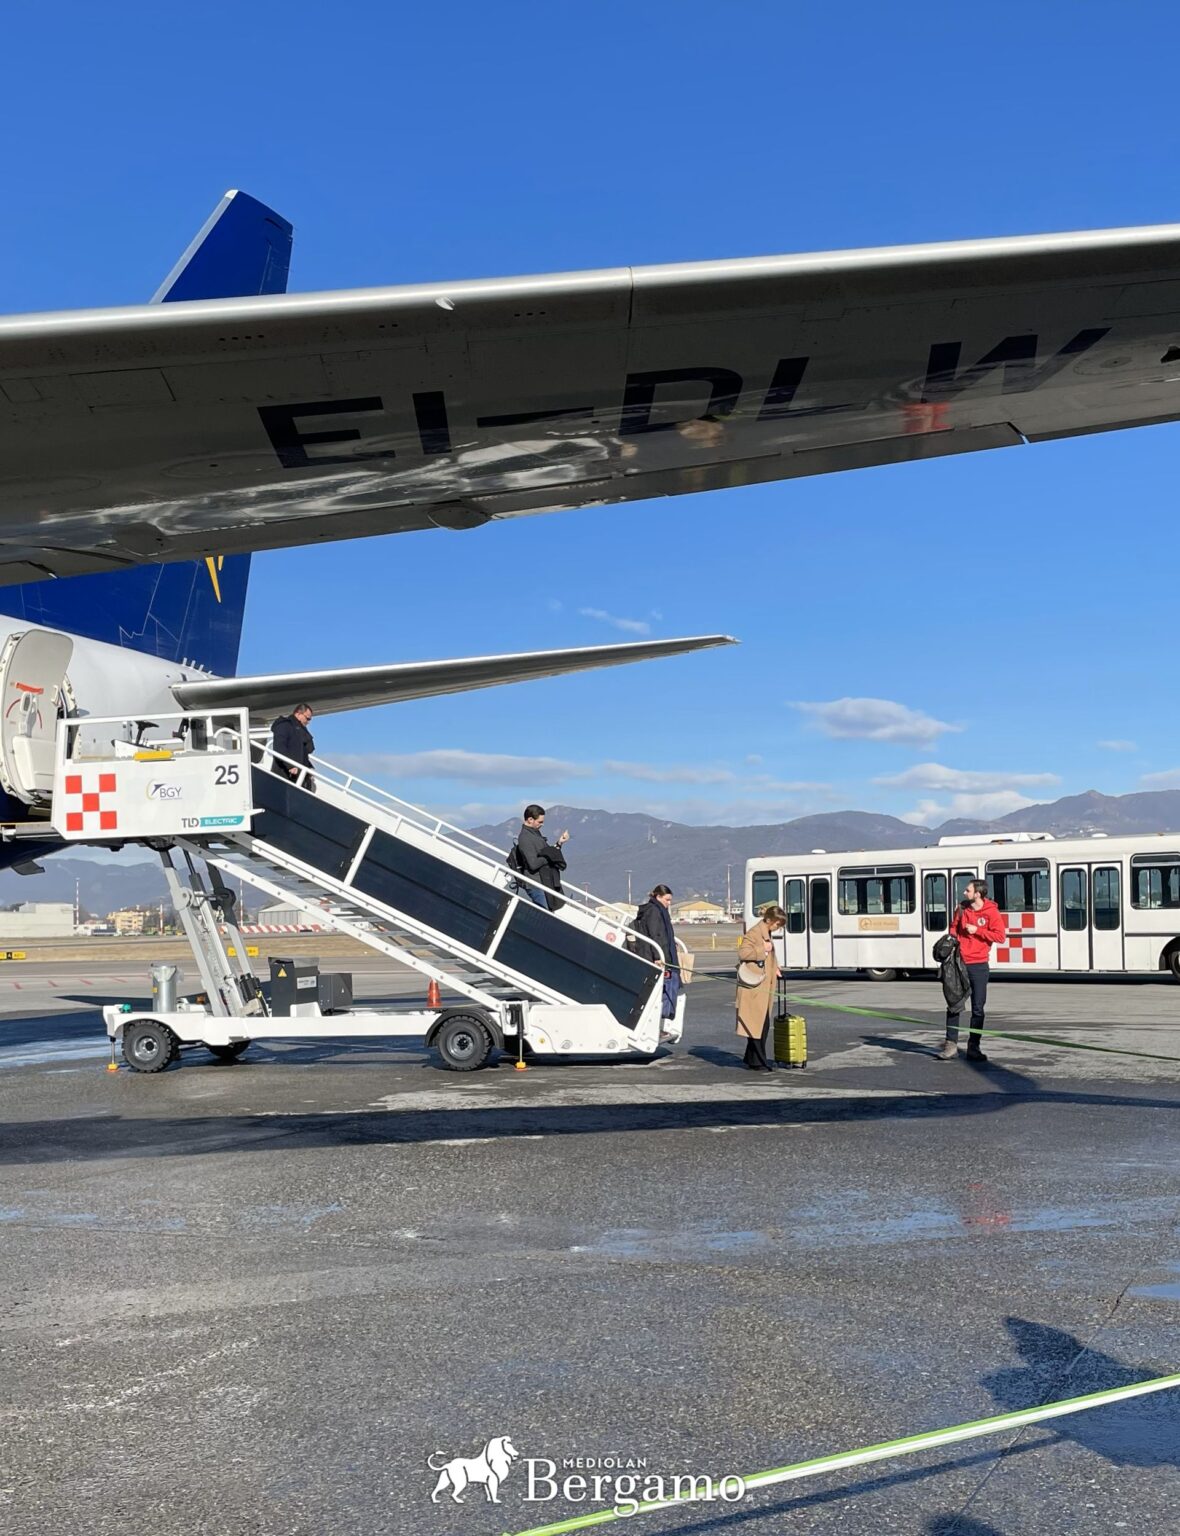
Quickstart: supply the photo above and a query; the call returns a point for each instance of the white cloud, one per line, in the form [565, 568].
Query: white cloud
[753, 810]
[875, 720]
[970, 807]
[975, 794]
[453, 763]
[656, 773]
[940, 779]
[1118, 746]
[629, 626]
[763, 784]
[754, 802]
[1169, 779]
[767, 804]
[478, 813]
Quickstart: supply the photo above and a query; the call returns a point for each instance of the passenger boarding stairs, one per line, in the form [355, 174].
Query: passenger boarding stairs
[362, 862]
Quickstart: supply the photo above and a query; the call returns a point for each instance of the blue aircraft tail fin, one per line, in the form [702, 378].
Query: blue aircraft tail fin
[243, 248]
[191, 610]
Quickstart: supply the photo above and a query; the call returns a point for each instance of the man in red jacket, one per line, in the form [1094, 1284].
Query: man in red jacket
[978, 924]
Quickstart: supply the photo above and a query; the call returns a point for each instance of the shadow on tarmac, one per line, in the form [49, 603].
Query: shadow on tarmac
[1144, 1432]
[167, 1134]
[1007, 1079]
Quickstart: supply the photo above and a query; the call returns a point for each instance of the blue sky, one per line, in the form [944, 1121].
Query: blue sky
[467, 140]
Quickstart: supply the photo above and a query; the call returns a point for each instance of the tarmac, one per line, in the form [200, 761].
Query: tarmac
[253, 1300]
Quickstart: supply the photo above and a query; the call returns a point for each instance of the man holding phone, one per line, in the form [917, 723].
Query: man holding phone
[543, 860]
[978, 924]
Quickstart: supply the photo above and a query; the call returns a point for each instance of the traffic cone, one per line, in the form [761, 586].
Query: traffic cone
[433, 996]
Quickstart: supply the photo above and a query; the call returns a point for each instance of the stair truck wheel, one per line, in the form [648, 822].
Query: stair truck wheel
[464, 1042]
[149, 1046]
[229, 1052]
[880, 973]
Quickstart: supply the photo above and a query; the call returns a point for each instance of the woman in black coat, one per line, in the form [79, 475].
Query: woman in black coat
[654, 921]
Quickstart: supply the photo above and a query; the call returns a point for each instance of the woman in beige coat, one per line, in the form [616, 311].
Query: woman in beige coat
[753, 1003]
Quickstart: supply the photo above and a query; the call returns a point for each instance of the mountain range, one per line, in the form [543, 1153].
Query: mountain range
[605, 845]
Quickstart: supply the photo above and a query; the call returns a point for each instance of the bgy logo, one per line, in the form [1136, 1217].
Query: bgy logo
[490, 1468]
[159, 790]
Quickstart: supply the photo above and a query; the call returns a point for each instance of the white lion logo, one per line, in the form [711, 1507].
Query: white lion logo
[490, 1468]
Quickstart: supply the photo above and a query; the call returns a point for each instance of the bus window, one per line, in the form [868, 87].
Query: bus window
[1073, 901]
[962, 880]
[881, 888]
[1155, 881]
[794, 897]
[1019, 885]
[763, 889]
[1107, 902]
[934, 902]
[821, 905]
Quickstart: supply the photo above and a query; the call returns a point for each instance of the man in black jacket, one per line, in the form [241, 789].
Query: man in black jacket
[542, 860]
[293, 741]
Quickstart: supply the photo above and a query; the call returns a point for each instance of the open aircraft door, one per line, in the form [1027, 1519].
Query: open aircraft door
[32, 679]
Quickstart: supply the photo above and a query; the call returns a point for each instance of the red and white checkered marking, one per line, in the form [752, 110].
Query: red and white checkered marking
[1020, 946]
[84, 808]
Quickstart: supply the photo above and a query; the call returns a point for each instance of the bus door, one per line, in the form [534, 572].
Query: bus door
[1090, 917]
[942, 891]
[936, 912]
[793, 949]
[819, 919]
[807, 938]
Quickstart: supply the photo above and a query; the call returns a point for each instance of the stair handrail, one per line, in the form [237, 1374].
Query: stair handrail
[341, 780]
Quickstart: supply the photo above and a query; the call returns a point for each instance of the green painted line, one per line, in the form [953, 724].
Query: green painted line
[997, 1034]
[907, 1446]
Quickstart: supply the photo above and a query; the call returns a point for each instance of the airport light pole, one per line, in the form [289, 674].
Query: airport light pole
[628, 887]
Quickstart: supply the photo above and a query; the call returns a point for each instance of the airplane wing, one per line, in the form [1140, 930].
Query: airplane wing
[174, 431]
[360, 687]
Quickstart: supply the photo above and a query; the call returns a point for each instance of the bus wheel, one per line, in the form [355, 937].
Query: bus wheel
[1172, 961]
[880, 973]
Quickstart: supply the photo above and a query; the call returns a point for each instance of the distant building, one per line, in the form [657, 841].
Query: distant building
[697, 910]
[37, 920]
[280, 916]
[616, 910]
[129, 922]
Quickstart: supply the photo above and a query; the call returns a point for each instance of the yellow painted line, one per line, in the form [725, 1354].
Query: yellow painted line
[997, 1034]
[907, 1446]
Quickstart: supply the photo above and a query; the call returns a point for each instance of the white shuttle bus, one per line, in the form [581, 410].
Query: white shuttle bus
[1104, 904]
